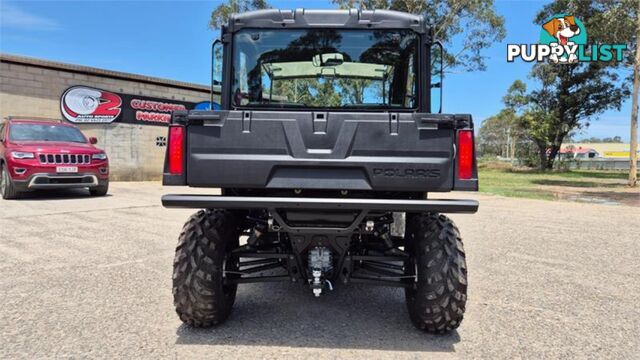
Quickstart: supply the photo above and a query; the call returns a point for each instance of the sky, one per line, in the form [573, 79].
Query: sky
[171, 39]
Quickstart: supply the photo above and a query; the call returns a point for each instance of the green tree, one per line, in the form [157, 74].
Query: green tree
[310, 92]
[494, 136]
[326, 93]
[503, 134]
[568, 96]
[516, 98]
[615, 139]
[221, 13]
[473, 22]
[295, 91]
[352, 90]
[611, 21]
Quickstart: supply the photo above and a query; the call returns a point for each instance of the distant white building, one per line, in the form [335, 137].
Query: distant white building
[578, 152]
[603, 150]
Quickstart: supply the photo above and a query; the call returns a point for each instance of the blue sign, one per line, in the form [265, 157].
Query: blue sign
[207, 105]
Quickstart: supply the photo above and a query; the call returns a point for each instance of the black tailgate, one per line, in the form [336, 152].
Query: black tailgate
[321, 150]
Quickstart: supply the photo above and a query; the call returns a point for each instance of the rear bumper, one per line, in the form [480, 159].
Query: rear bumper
[247, 202]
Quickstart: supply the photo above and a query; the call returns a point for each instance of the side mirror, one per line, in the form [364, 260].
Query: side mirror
[217, 50]
[437, 75]
[93, 140]
[216, 62]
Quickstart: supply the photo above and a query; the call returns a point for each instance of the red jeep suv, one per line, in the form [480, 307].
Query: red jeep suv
[36, 154]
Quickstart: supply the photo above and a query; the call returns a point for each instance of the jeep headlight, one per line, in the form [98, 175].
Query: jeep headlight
[100, 156]
[22, 155]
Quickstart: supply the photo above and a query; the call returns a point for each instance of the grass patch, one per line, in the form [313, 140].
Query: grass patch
[543, 185]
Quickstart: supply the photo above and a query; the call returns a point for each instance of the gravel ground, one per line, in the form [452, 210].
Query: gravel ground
[91, 277]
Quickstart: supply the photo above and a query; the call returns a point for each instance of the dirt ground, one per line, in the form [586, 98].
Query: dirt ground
[91, 277]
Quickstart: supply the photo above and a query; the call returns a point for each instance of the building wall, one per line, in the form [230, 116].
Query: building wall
[34, 90]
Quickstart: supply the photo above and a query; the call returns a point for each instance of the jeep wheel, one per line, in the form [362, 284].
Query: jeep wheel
[7, 189]
[199, 294]
[436, 303]
[100, 190]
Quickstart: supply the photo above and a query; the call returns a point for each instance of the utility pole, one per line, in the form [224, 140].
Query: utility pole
[505, 149]
[509, 155]
[514, 143]
[633, 144]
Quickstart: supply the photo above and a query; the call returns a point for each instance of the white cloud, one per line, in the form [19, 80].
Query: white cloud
[13, 17]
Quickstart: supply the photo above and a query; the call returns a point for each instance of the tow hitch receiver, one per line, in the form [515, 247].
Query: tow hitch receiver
[320, 267]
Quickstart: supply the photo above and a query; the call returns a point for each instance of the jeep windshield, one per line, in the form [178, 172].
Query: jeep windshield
[325, 68]
[45, 132]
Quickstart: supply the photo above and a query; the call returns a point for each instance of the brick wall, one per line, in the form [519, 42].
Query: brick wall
[33, 88]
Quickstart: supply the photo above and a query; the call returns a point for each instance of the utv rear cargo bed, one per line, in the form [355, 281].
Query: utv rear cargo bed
[381, 151]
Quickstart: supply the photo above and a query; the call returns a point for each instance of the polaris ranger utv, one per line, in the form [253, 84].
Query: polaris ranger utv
[329, 139]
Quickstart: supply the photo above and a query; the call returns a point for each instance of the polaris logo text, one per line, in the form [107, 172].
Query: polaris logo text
[563, 40]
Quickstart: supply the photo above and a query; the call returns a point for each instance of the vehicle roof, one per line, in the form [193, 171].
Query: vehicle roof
[34, 121]
[308, 18]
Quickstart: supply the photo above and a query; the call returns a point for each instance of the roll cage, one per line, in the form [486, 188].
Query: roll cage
[317, 19]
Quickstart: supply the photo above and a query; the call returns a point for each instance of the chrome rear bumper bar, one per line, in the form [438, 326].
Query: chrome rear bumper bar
[255, 202]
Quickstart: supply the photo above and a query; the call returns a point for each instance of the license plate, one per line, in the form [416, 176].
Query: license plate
[66, 169]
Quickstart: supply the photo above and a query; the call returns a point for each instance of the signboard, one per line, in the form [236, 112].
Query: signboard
[618, 154]
[87, 105]
[81, 104]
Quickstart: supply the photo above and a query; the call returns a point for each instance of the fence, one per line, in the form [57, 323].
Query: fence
[599, 164]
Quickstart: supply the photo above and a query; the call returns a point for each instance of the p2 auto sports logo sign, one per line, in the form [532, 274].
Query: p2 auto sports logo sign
[81, 105]
[563, 40]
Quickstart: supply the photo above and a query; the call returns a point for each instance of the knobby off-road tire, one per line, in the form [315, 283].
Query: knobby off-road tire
[7, 189]
[199, 295]
[436, 303]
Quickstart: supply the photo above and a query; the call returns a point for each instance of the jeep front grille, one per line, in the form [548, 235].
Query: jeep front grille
[64, 159]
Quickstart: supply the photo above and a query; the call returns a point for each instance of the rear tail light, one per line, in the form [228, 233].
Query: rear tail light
[465, 154]
[176, 150]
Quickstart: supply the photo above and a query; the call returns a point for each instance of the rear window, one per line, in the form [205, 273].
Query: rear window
[45, 132]
[325, 68]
